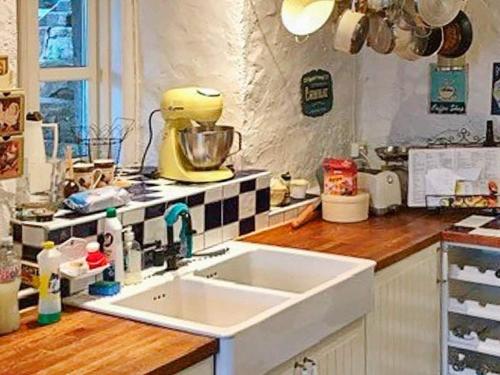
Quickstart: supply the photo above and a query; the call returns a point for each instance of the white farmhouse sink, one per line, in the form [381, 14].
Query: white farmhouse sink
[264, 304]
[200, 302]
[291, 272]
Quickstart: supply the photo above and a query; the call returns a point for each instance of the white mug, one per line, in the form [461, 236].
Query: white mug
[298, 188]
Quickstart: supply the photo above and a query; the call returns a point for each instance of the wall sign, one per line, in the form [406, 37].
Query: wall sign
[317, 93]
[449, 91]
[495, 94]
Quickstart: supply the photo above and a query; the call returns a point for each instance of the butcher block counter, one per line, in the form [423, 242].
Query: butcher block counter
[84, 342]
[386, 240]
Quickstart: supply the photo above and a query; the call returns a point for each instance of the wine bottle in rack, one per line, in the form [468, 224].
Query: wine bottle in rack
[483, 369]
[458, 362]
[461, 332]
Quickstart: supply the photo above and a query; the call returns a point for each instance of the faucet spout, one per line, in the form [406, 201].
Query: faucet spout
[185, 250]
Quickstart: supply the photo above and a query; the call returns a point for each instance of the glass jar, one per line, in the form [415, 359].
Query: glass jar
[10, 281]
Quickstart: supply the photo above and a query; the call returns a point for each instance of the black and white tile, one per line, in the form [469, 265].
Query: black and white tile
[220, 212]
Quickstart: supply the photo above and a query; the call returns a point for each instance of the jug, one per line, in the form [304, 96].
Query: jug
[38, 169]
[10, 281]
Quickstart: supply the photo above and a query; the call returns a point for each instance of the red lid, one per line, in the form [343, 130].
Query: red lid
[330, 164]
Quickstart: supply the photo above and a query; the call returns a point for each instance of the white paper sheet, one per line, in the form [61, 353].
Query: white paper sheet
[465, 163]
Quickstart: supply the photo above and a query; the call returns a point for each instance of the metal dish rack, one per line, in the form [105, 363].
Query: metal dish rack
[481, 202]
[470, 292]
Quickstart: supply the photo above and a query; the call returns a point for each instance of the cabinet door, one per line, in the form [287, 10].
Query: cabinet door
[203, 368]
[403, 330]
[341, 354]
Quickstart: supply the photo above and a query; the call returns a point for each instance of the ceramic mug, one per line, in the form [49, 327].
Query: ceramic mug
[86, 176]
[298, 188]
[107, 167]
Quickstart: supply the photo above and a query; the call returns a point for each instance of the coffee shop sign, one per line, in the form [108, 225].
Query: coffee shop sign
[317, 93]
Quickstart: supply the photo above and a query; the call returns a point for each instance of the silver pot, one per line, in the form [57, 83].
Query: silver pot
[208, 148]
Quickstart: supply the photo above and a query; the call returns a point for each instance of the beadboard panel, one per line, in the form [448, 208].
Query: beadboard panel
[343, 353]
[403, 330]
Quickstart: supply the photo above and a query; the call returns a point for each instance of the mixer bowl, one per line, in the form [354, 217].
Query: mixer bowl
[207, 148]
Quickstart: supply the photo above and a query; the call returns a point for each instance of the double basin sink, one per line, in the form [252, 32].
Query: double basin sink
[264, 304]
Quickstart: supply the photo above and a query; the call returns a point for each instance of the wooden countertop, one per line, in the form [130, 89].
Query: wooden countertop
[386, 239]
[84, 342]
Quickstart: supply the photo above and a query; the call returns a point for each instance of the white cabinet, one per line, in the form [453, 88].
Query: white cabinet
[203, 368]
[403, 330]
[343, 353]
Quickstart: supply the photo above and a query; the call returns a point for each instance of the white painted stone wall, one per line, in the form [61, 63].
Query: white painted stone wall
[393, 95]
[277, 136]
[8, 31]
[241, 48]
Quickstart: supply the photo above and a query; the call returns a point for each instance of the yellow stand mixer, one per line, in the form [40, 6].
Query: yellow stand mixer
[189, 153]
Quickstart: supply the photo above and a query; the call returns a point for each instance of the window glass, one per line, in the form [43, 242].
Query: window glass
[62, 30]
[66, 103]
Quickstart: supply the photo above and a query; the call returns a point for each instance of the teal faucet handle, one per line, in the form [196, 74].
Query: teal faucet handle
[171, 216]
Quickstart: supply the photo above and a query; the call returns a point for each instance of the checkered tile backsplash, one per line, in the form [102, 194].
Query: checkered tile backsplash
[220, 212]
[478, 225]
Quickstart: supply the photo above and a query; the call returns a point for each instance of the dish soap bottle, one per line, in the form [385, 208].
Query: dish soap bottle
[133, 258]
[49, 298]
[113, 247]
[10, 281]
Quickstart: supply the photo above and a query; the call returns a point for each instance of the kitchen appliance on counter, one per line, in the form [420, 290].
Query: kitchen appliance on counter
[384, 188]
[189, 153]
[388, 186]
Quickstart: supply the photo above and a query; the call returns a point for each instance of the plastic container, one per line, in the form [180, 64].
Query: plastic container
[10, 281]
[95, 259]
[133, 258]
[113, 247]
[49, 290]
[345, 209]
[340, 177]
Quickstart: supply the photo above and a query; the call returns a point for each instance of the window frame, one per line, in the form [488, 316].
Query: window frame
[31, 74]
[117, 70]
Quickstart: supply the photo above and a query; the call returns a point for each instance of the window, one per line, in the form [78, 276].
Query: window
[78, 63]
[59, 56]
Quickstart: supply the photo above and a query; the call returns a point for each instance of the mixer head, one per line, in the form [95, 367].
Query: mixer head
[201, 105]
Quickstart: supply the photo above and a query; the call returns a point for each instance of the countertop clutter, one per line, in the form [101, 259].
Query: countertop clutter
[84, 342]
[98, 340]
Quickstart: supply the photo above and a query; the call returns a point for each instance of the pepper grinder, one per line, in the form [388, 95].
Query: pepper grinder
[490, 135]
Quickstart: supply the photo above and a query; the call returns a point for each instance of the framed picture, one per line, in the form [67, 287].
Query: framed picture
[495, 94]
[449, 91]
[11, 158]
[11, 113]
[4, 65]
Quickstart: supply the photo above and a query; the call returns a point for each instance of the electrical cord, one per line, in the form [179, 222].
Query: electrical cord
[150, 140]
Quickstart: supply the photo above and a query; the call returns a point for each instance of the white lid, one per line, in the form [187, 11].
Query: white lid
[93, 247]
[128, 234]
[361, 197]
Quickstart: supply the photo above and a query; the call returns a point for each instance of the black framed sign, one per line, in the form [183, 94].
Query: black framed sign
[495, 94]
[317, 93]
